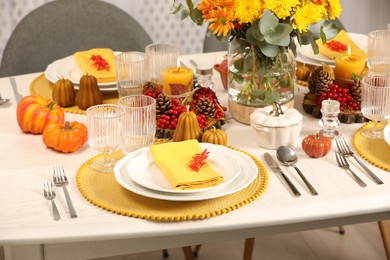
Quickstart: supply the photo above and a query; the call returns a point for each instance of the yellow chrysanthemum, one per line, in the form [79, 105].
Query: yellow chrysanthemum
[307, 14]
[334, 9]
[281, 8]
[206, 6]
[247, 11]
[221, 21]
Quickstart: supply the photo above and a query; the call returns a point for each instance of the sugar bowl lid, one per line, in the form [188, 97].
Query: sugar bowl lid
[275, 116]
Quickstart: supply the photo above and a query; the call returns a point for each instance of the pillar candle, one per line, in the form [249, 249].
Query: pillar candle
[177, 81]
[348, 65]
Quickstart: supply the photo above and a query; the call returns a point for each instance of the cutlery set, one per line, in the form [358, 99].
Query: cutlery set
[60, 180]
[288, 157]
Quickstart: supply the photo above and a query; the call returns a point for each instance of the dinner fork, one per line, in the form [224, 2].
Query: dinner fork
[49, 194]
[342, 162]
[60, 179]
[346, 151]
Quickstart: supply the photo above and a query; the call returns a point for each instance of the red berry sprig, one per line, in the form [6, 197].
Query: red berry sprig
[342, 95]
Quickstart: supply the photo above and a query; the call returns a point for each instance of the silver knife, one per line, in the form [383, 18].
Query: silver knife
[18, 97]
[275, 167]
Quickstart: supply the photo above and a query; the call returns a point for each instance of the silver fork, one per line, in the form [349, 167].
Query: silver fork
[346, 151]
[342, 162]
[60, 179]
[50, 194]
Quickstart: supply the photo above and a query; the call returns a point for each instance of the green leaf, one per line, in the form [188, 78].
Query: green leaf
[177, 8]
[190, 4]
[256, 31]
[184, 14]
[329, 30]
[249, 36]
[196, 16]
[268, 22]
[269, 50]
[280, 36]
[293, 48]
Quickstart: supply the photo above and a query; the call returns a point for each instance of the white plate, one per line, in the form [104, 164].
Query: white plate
[306, 52]
[67, 68]
[248, 174]
[143, 171]
[386, 134]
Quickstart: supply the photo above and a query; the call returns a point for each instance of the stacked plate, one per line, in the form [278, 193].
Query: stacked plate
[138, 173]
[306, 55]
[67, 68]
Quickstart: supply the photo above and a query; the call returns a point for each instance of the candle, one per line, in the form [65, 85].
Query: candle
[177, 81]
[348, 65]
[330, 106]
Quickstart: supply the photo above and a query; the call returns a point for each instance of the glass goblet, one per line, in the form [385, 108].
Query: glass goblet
[375, 104]
[105, 134]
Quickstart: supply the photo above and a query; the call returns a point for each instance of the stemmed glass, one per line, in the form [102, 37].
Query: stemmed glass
[105, 134]
[375, 103]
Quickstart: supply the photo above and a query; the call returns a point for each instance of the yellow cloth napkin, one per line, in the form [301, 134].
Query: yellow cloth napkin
[83, 60]
[342, 37]
[173, 160]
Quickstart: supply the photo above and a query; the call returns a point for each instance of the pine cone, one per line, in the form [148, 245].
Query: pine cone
[319, 81]
[149, 86]
[163, 104]
[356, 91]
[205, 106]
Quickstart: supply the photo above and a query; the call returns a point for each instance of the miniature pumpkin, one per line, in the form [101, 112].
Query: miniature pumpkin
[215, 136]
[187, 127]
[89, 93]
[66, 137]
[35, 112]
[63, 92]
[303, 72]
[316, 145]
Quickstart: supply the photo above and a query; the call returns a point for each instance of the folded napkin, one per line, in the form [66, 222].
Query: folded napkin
[174, 158]
[99, 62]
[343, 38]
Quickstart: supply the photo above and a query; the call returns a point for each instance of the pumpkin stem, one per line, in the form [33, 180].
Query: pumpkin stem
[67, 126]
[51, 105]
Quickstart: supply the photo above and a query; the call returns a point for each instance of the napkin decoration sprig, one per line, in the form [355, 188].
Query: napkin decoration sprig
[99, 62]
[198, 160]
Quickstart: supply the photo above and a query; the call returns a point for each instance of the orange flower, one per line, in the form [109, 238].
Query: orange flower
[206, 6]
[221, 21]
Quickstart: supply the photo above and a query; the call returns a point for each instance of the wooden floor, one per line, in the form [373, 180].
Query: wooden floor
[360, 242]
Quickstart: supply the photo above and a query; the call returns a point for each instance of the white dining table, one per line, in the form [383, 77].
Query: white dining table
[28, 230]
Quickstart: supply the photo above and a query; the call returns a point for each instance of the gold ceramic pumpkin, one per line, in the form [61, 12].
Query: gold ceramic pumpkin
[187, 128]
[89, 93]
[63, 93]
[215, 136]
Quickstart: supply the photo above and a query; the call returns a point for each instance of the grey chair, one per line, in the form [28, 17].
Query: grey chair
[58, 29]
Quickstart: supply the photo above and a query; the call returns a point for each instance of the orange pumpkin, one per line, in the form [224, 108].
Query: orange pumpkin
[66, 137]
[316, 145]
[35, 112]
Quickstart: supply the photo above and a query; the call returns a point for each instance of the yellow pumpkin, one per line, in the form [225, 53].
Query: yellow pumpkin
[89, 93]
[303, 72]
[63, 92]
[215, 136]
[187, 127]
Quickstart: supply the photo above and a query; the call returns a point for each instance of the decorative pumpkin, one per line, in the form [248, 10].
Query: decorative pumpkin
[215, 136]
[187, 127]
[89, 93]
[63, 92]
[303, 72]
[316, 145]
[66, 137]
[35, 112]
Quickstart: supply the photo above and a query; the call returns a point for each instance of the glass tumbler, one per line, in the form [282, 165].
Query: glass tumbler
[131, 73]
[139, 121]
[375, 104]
[105, 134]
[161, 56]
[378, 52]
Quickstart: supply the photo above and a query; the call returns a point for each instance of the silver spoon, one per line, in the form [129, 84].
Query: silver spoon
[3, 100]
[288, 157]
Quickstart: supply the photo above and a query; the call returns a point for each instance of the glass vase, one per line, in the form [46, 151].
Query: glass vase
[257, 81]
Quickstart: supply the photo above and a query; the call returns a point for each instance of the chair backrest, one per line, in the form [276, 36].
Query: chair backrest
[60, 28]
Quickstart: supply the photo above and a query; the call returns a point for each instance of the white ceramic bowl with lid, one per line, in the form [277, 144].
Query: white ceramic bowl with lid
[276, 125]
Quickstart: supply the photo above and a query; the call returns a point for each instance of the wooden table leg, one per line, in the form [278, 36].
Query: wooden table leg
[341, 230]
[384, 229]
[196, 250]
[248, 250]
[187, 250]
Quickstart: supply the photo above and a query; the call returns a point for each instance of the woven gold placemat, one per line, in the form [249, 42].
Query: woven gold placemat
[376, 151]
[102, 190]
[41, 86]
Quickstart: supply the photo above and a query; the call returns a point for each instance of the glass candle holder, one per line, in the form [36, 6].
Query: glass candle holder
[204, 74]
[329, 122]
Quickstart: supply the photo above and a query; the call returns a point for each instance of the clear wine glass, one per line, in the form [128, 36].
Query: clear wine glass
[375, 104]
[105, 134]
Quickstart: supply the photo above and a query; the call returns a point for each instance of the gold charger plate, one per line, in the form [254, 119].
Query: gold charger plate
[41, 86]
[375, 151]
[102, 190]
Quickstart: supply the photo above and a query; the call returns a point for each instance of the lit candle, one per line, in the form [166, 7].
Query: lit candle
[177, 81]
[330, 106]
[348, 65]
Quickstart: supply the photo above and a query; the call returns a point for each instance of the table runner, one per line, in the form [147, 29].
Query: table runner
[43, 87]
[102, 190]
[375, 151]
